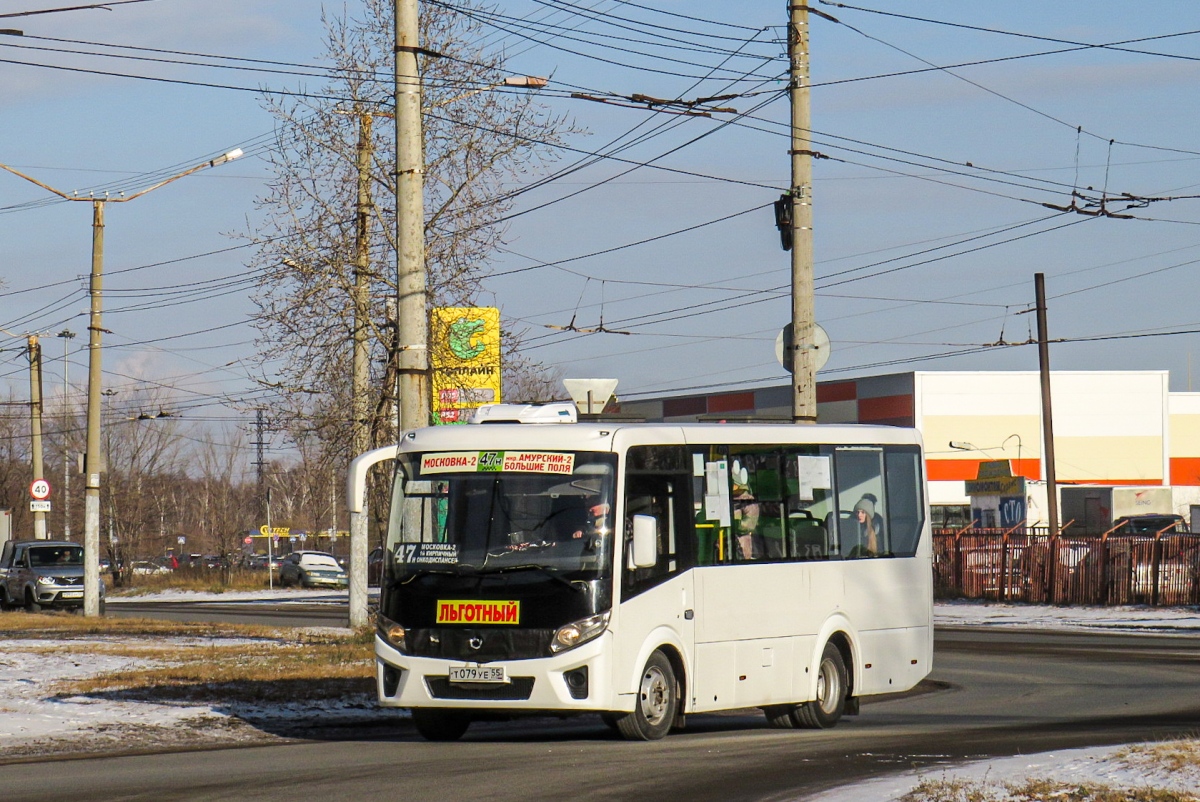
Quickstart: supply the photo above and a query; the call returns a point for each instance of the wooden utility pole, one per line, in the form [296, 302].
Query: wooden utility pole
[1039, 283]
[35, 425]
[413, 319]
[804, 392]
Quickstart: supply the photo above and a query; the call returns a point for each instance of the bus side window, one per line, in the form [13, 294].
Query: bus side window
[650, 495]
[658, 483]
[757, 504]
[811, 533]
[906, 506]
[862, 504]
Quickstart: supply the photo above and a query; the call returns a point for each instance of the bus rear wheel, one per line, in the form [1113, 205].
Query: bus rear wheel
[832, 685]
[658, 697]
[781, 717]
[440, 725]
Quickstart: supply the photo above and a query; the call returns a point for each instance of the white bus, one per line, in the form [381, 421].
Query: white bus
[647, 571]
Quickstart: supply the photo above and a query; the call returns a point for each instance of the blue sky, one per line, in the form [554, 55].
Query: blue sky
[896, 194]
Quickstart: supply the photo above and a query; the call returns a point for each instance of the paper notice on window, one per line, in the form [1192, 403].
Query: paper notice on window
[814, 475]
[716, 492]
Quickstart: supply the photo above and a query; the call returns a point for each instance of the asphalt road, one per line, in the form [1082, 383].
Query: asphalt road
[992, 693]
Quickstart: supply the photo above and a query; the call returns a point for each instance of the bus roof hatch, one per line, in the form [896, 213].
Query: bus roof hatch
[526, 413]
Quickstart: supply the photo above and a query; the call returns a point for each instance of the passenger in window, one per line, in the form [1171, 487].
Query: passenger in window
[868, 527]
[745, 516]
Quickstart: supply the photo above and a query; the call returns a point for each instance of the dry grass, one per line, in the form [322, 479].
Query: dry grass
[1167, 757]
[265, 665]
[201, 580]
[1038, 790]
[61, 625]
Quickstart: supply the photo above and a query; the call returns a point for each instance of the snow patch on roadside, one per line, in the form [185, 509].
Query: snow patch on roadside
[1091, 765]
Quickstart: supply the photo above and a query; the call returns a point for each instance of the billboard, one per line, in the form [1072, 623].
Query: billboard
[464, 356]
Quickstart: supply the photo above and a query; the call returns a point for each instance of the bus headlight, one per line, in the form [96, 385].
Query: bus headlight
[392, 633]
[577, 632]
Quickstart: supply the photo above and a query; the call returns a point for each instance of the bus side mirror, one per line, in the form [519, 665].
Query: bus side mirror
[645, 541]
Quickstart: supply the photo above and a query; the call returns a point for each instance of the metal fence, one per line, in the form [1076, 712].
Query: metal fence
[1031, 566]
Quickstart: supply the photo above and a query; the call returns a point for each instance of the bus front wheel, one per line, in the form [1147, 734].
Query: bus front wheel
[658, 697]
[440, 725]
[832, 685]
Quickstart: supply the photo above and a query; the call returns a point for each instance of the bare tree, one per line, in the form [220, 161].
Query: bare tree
[476, 141]
[15, 469]
[142, 455]
[225, 495]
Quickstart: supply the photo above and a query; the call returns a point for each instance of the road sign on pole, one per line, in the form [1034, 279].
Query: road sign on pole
[39, 490]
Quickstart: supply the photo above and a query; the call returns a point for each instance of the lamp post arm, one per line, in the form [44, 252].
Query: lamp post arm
[46, 187]
[228, 157]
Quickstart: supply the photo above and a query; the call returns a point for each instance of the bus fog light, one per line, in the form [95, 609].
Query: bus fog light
[391, 680]
[392, 633]
[578, 632]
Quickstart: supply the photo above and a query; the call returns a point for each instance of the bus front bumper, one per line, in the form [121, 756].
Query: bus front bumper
[575, 680]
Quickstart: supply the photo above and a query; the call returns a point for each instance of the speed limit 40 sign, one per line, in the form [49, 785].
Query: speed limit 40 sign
[39, 490]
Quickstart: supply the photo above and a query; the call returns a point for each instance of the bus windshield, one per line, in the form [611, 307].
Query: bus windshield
[485, 512]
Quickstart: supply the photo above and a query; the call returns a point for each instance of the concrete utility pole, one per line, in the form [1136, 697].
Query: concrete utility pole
[361, 369]
[413, 339]
[1039, 283]
[66, 335]
[92, 462]
[804, 389]
[35, 425]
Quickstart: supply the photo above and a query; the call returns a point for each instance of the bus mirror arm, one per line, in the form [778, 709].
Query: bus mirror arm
[356, 477]
[645, 541]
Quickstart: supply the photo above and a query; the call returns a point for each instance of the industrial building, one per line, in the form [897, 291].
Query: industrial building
[1111, 429]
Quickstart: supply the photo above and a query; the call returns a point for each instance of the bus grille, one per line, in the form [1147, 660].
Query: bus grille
[480, 645]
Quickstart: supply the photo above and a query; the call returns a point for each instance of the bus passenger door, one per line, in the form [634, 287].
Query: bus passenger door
[657, 603]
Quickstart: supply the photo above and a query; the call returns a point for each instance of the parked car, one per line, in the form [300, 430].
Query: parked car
[1149, 524]
[312, 569]
[42, 573]
[375, 566]
[147, 568]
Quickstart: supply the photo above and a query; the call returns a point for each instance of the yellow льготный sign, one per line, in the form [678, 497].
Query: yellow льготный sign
[464, 354]
[456, 611]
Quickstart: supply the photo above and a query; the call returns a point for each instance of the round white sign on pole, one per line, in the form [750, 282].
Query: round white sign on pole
[821, 347]
[39, 489]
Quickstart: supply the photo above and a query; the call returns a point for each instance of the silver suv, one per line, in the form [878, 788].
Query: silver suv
[39, 574]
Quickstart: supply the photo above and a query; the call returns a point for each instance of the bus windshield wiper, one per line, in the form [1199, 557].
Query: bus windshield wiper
[545, 569]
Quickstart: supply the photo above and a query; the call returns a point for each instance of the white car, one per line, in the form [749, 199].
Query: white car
[147, 568]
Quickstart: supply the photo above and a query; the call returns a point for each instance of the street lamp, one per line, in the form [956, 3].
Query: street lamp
[66, 335]
[92, 467]
[1002, 445]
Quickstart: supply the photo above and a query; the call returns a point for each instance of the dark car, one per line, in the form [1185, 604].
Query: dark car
[312, 569]
[375, 566]
[1150, 524]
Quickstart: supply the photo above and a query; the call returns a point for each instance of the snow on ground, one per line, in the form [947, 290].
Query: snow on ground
[1093, 765]
[35, 720]
[1156, 620]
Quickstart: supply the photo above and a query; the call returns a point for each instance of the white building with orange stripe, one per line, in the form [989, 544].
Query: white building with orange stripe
[1111, 428]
